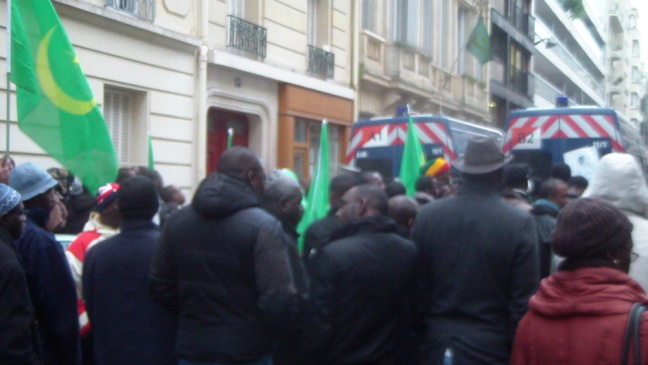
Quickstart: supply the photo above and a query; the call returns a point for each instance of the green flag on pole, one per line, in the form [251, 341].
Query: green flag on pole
[413, 158]
[479, 42]
[230, 137]
[151, 160]
[317, 202]
[56, 108]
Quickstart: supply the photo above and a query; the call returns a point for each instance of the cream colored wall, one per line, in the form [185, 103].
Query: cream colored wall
[163, 75]
[286, 23]
[176, 15]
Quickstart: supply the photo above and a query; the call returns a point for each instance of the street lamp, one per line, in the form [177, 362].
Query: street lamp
[549, 43]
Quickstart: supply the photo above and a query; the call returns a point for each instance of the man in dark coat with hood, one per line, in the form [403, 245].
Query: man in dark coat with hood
[128, 327]
[18, 340]
[359, 284]
[478, 265]
[223, 268]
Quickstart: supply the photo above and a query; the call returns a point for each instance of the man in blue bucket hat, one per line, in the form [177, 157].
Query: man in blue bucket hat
[49, 278]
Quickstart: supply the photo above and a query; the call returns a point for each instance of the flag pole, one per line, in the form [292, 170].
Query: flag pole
[8, 59]
[454, 63]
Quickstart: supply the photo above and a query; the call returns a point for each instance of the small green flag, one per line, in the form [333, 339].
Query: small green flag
[413, 158]
[56, 108]
[151, 160]
[230, 137]
[479, 42]
[318, 195]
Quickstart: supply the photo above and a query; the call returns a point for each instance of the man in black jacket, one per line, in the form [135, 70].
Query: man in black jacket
[319, 232]
[282, 198]
[478, 265]
[223, 268]
[553, 196]
[359, 283]
[18, 341]
[128, 327]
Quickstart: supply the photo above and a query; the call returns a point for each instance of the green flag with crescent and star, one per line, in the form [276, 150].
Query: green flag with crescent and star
[479, 42]
[56, 108]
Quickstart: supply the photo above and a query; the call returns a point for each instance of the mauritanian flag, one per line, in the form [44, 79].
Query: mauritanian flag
[479, 42]
[56, 108]
[413, 158]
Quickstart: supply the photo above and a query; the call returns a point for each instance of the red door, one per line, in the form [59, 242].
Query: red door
[218, 122]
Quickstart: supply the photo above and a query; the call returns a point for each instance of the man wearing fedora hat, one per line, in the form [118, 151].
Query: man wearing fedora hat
[49, 279]
[479, 265]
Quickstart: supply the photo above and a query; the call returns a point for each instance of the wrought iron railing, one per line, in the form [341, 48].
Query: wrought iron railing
[321, 62]
[141, 8]
[246, 36]
[520, 81]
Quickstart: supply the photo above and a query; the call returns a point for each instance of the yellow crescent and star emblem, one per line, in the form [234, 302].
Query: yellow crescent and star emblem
[51, 88]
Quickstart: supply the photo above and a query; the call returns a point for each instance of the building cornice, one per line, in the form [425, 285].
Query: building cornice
[236, 62]
[117, 21]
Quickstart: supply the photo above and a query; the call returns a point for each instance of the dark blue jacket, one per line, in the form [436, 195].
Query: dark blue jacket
[52, 290]
[128, 327]
[18, 343]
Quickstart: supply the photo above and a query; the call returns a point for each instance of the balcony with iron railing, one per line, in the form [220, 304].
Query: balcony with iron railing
[521, 20]
[321, 62]
[517, 24]
[512, 83]
[140, 8]
[246, 36]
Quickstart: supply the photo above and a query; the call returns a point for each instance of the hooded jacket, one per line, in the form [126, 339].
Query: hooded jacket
[618, 179]
[359, 282]
[223, 268]
[579, 318]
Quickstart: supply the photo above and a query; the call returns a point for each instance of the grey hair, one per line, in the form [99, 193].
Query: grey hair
[278, 185]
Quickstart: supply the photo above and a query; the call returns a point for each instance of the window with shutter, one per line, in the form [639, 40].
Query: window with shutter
[118, 112]
[237, 8]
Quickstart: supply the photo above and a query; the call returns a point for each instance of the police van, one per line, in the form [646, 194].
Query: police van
[577, 136]
[377, 144]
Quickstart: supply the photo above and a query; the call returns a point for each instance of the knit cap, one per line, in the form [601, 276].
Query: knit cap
[589, 228]
[106, 195]
[9, 199]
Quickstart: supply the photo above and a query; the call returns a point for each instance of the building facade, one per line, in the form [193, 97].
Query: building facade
[626, 82]
[184, 72]
[412, 52]
[512, 41]
[570, 56]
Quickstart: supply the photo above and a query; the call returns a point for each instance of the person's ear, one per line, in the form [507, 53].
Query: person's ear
[410, 223]
[363, 207]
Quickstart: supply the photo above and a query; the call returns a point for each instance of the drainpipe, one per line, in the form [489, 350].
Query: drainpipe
[355, 55]
[200, 100]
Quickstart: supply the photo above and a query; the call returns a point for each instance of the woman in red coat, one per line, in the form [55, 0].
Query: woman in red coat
[579, 314]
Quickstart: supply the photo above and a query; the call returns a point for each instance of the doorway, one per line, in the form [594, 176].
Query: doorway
[218, 122]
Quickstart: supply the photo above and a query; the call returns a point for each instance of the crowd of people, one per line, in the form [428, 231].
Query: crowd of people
[483, 265]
